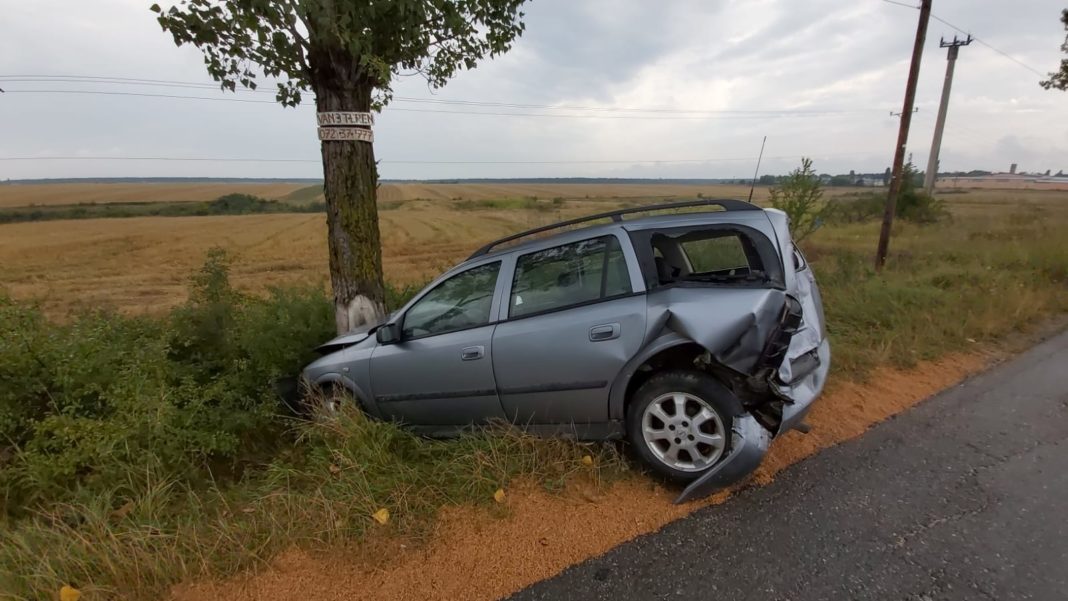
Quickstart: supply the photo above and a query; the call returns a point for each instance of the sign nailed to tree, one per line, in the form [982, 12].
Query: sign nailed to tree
[345, 134]
[337, 126]
[345, 118]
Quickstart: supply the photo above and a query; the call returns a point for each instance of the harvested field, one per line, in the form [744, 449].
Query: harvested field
[25, 195]
[142, 265]
[549, 191]
[967, 183]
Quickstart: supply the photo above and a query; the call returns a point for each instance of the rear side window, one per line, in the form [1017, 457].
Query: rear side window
[715, 253]
[460, 302]
[568, 275]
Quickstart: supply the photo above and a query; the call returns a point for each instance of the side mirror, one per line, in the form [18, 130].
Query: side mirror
[389, 333]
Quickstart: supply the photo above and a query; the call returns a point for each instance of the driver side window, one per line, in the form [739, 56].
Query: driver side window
[460, 302]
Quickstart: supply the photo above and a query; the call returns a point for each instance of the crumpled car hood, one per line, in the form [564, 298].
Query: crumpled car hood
[353, 337]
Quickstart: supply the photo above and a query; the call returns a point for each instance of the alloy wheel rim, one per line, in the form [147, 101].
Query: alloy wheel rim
[683, 431]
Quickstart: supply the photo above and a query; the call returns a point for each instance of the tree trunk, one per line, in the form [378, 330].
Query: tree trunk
[350, 182]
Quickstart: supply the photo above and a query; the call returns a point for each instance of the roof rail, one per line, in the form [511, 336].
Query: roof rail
[728, 204]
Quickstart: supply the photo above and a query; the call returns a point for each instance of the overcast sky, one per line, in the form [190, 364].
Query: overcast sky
[837, 68]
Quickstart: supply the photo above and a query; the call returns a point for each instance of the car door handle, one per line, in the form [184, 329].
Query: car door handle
[608, 331]
[472, 352]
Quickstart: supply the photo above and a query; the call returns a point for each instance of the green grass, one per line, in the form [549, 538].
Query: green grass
[143, 514]
[945, 287]
[320, 495]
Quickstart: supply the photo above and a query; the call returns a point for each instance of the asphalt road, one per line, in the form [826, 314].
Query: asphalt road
[963, 497]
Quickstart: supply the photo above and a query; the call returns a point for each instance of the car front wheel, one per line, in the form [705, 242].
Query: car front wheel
[326, 401]
[679, 423]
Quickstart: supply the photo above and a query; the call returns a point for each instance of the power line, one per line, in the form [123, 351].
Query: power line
[906, 5]
[726, 115]
[142, 94]
[405, 162]
[404, 99]
[999, 51]
[974, 37]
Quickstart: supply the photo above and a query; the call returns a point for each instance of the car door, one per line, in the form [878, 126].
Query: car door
[441, 372]
[571, 322]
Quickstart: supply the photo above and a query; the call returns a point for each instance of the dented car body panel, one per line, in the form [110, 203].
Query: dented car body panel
[555, 334]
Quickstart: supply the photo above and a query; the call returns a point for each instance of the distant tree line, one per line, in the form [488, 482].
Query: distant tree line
[230, 204]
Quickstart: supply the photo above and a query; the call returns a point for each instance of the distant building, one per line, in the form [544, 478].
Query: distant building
[1012, 169]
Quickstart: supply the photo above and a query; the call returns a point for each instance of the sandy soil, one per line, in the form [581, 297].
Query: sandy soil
[475, 555]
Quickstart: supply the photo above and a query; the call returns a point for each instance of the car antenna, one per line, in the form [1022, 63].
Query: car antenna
[757, 172]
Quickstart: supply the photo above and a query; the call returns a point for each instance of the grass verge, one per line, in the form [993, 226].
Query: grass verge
[136, 540]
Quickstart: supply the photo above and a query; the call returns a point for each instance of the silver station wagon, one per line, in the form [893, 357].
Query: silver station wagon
[698, 336]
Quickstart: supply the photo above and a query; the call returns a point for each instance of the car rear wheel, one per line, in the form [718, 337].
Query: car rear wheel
[679, 423]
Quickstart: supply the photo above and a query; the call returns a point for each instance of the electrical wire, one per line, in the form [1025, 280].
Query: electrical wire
[404, 162]
[906, 5]
[984, 43]
[401, 99]
[974, 37]
[724, 115]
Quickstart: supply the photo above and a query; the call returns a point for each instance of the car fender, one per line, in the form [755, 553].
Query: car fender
[617, 398]
[365, 400]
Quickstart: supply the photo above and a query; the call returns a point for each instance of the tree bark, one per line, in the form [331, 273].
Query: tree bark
[350, 184]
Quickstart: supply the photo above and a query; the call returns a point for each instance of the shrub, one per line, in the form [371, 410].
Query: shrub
[913, 204]
[800, 196]
[97, 402]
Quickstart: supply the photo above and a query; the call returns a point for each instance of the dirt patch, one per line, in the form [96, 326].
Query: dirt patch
[476, 555]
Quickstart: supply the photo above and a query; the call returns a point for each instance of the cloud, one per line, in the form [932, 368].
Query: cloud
[846, 60]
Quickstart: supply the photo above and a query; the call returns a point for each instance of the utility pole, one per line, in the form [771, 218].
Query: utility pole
[903, 135]
[936, 143]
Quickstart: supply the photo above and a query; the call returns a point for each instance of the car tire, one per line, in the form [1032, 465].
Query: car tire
[681, 447]
[326, 401]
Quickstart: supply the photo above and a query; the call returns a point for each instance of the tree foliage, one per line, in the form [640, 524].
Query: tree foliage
[800, 196]
[1059, 79]
[303, 42]
[348, 52]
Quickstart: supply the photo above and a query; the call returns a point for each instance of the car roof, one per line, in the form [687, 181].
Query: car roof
[647, 222]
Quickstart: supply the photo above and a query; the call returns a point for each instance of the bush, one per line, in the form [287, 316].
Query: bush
[913, 204]
[89, 404]
[138, 452]
[800, 196]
